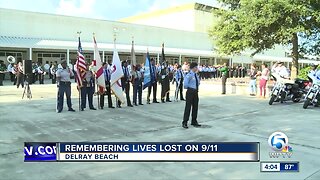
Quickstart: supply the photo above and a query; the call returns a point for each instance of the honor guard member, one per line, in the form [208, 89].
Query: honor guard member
[53, 71]
[179, 83]
[87, 90]
[107, 77]
[224, 73]
[154, 79]
[125, 82]
[64, 86]
[137, 79]
[165, 83]
[41, 74]
[10, 70]
[3, 69]
[191, 83]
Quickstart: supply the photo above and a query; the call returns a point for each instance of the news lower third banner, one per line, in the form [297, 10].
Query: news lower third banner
[142, 151]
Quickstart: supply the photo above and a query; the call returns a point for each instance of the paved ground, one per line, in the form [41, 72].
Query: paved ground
[224, 118]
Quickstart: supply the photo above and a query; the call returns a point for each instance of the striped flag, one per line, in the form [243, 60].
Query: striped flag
[80, 66]
[116, 74]
[98, 69]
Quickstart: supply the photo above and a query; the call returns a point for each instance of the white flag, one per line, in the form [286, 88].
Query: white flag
[97, 67]
[116, 74]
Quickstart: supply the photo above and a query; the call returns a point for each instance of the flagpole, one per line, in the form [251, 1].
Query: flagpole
[79, 88]
[96, 84]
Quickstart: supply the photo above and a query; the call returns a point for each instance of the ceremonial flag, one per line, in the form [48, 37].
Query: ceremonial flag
[98, 69]
[165, 81]
[147, 72]
[80, 66]
[116, 74]
[163, 58]
[133, 56]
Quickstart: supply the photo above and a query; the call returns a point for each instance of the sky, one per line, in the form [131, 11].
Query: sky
[98, 9]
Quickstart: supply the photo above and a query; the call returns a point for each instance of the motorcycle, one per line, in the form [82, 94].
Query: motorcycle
[285, 89]
[313, 95]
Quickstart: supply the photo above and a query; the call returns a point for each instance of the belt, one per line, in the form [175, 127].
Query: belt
[192, 89]
[64, 82]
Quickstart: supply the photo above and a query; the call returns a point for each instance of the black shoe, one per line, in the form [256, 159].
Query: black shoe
[169, 101]
[155, 102]
[82, 109]
[71, 110]
[185, 126]
[101, 107]
[135, 104]
[130, 105]
[93, 108]
[223, 93]
[118, 106]
[182, 100]
[141, 104]
[148, 103]
[111, 107]
[163, 101]
[59, 111]
[196, 125]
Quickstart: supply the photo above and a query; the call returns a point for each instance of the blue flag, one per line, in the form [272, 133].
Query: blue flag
[147, 72]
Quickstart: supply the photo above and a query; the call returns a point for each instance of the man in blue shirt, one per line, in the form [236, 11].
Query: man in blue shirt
[179, 83]
[191, 83]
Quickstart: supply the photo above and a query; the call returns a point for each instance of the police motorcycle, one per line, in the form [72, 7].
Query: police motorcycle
[313, 95]
[285, 89]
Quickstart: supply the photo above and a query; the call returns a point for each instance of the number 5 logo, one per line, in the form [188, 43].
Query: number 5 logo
[277, 141]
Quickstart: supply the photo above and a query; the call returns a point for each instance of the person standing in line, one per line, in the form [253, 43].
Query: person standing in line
[264, 76]
[87, 90]
[154, 79]
[224, 73]
[253, 80]
[10, 70]
[179, 83]
[125, 82]
[53, 70]
[107, 77]
[3, 70]
[137, 79]
[64, 86]
[191, 83]
[41, 74]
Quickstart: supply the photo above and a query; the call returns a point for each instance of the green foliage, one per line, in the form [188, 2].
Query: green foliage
[261, 24]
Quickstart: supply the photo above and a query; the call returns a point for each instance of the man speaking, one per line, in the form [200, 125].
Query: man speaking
[191, 83]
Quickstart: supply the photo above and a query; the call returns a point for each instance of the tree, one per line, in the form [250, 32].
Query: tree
[261, 24]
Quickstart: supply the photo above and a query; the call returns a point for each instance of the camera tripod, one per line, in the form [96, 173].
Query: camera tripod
[27, 90]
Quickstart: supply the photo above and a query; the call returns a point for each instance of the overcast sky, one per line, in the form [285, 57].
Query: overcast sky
[100, 9]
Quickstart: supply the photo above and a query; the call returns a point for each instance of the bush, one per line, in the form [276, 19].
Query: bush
[303, 73]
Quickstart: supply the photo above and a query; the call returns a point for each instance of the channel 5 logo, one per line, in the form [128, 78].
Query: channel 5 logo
[279, 143]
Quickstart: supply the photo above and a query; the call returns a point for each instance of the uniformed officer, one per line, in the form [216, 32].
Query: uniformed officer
[40, 74]
[3, 69]
[137, 79]
[107, 77]
[125, 82]
[87, 90]
[191, 83]
[179, 83]
[165, 83]
[20, 75]
[154, 79]
[64, 86]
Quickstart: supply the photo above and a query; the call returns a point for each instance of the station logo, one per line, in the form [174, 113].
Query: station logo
[279, 143]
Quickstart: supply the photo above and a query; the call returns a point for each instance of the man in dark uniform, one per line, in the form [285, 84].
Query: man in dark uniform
[107, 77]
[87, 90]
[191, 83]
[154, 78]
[125, 82]
[137, 78]
[64, 86]
[165, 83]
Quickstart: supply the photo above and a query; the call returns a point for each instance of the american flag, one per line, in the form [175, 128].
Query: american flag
[80, 65]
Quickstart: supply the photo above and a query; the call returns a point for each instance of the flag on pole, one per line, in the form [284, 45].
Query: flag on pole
[165, 81]
[98, 69]
[80, 65]
[147, 72]
[116, 75]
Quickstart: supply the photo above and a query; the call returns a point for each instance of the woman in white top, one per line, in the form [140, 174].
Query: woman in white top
[264, 76]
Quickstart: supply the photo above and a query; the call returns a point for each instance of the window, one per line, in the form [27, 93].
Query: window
[46, 55]
[56, 55]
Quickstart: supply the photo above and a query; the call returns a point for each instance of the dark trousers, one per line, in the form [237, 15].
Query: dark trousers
[64, 88]
[192, 101]
[179, 90]
[20, 80]
[137, 91]
[154, 89]
[165, 89]
[224, 81]
[12, 77]
[1, 79]
[126, 89]
[87, 92]
[108, 93]
[53, 79]
[41, 78]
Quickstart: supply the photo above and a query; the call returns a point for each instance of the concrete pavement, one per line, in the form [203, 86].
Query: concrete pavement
[224, 118]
